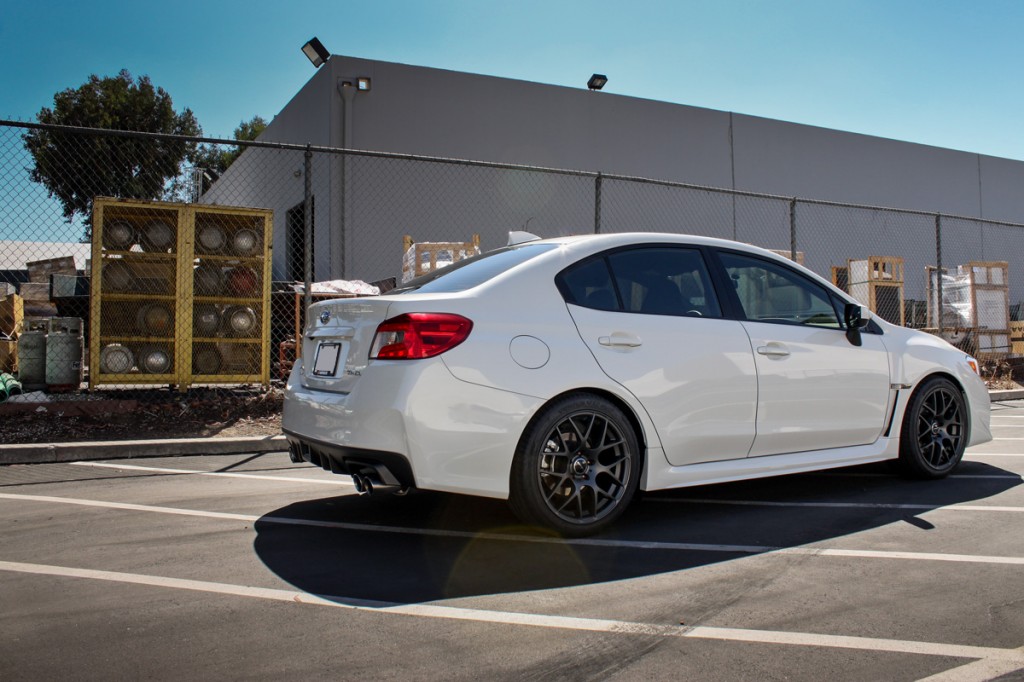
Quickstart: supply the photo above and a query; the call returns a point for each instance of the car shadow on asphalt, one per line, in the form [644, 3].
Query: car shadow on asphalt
[425, 546]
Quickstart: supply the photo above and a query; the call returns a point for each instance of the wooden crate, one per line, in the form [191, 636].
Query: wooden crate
[419, 258]
[35, 291]
[9, 357]
[877, 282]
[40, 270]
[1017, 337]
[12, 315]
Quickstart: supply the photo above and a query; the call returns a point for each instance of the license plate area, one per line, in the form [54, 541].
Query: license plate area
[325, 364]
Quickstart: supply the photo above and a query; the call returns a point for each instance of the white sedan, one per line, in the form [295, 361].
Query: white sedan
[564, 374]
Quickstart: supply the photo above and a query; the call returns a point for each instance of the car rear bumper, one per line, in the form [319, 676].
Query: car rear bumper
[415, 420]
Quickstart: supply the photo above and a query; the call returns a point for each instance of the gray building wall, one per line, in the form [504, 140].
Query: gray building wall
[433, 112]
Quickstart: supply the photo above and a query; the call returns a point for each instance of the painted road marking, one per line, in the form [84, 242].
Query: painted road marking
[226, 474]
[536, 620]
[509, 537]
[841, 505]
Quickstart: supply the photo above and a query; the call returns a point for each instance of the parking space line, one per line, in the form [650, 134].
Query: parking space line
[225, 474]
[840, 505]
[977, 671]
[994, 454]
[509, 537]
[534, 620]
[880, 474]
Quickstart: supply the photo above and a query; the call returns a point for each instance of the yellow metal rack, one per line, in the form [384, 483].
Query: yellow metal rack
[180, 294]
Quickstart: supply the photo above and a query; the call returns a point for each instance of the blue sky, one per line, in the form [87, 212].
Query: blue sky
[930, 71]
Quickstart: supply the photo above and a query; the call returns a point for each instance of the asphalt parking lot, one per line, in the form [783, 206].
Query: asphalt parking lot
[250, 567]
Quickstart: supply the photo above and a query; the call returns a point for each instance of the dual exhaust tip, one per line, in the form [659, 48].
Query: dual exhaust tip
[367, 484]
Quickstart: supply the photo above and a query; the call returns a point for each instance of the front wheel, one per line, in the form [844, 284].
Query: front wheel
[935, 427]
[577, 467]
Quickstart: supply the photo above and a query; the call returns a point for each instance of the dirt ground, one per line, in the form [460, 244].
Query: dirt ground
[206, 413]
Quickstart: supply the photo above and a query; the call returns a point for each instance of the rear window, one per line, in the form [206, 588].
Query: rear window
[472, 272]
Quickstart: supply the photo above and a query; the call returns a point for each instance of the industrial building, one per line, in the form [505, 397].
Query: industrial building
[363, 207]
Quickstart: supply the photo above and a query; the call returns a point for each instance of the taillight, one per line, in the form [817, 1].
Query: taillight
[419, 335]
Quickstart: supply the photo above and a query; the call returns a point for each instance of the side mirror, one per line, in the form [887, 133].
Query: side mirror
[855, 322]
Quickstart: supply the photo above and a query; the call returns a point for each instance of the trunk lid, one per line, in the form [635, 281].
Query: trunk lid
[337, 339]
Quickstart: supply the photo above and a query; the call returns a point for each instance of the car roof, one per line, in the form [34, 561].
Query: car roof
[611, 240]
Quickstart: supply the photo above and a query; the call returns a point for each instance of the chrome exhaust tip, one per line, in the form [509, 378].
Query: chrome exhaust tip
[363, 484]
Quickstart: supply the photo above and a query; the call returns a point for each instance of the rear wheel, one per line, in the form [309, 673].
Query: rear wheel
[577, 468]
[934, 434]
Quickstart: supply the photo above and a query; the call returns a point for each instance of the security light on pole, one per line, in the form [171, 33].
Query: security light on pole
[597, 81]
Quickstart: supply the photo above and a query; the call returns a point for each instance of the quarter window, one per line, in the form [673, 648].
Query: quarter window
[769, 292]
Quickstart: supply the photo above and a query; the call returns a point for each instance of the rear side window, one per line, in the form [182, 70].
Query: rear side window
[659, 280]
[471, 272]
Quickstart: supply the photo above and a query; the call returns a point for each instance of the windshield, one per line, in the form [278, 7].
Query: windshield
[471, 272]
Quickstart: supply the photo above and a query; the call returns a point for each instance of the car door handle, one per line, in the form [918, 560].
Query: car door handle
[773, 351]
[620, 340]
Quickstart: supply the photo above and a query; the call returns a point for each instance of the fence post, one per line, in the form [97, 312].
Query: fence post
[938, 272]
[597, 204]
[792, 229]
[307, 229]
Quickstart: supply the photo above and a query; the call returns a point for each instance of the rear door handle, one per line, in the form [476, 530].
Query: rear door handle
[620, 340]
[773, 350]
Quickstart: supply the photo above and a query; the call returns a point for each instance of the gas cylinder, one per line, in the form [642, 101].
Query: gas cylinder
[157, 236]
[32, 356]
[64, 354]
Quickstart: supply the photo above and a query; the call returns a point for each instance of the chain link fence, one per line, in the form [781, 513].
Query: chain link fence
[193, 276]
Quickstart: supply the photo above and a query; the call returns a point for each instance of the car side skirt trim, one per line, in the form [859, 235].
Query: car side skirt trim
[771, 465]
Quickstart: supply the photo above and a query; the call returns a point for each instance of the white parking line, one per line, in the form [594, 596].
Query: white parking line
[994, 454]
[536, 620]
[225, 474]
[508, 537]
[841, 505]
[880, 474]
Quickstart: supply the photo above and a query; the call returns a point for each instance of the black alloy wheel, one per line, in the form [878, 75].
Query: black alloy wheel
[935, 430]
[577, 468]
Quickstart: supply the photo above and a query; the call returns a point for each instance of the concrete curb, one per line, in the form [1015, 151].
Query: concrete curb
[998, 396]
[48, 453]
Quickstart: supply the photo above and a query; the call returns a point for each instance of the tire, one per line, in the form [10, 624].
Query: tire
[935, 429]
[577, 466]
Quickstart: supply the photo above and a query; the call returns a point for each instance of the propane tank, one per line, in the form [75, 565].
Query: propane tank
[208, 280]
[118, 235]
[117, 275]
[32, 355]
[240, 321]
[154, 319]
[205, 320]
[210, 238]
[206, 360]
[154, 360]
[116, 359]
[64, 354]
[242, 281]
[245, 242]
[157, 236]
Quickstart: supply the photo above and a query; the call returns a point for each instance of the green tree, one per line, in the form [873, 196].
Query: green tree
[213, 160]
[76, 167]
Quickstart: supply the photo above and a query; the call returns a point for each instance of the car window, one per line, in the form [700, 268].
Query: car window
[651, 280]
[771, 292]
[471, 272]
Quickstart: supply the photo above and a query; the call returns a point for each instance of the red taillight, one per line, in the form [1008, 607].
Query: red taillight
[419, 335]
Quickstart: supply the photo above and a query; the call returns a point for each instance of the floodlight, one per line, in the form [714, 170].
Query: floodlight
[316, 52]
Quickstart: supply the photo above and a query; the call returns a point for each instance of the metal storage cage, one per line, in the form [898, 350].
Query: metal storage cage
[180, 294]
